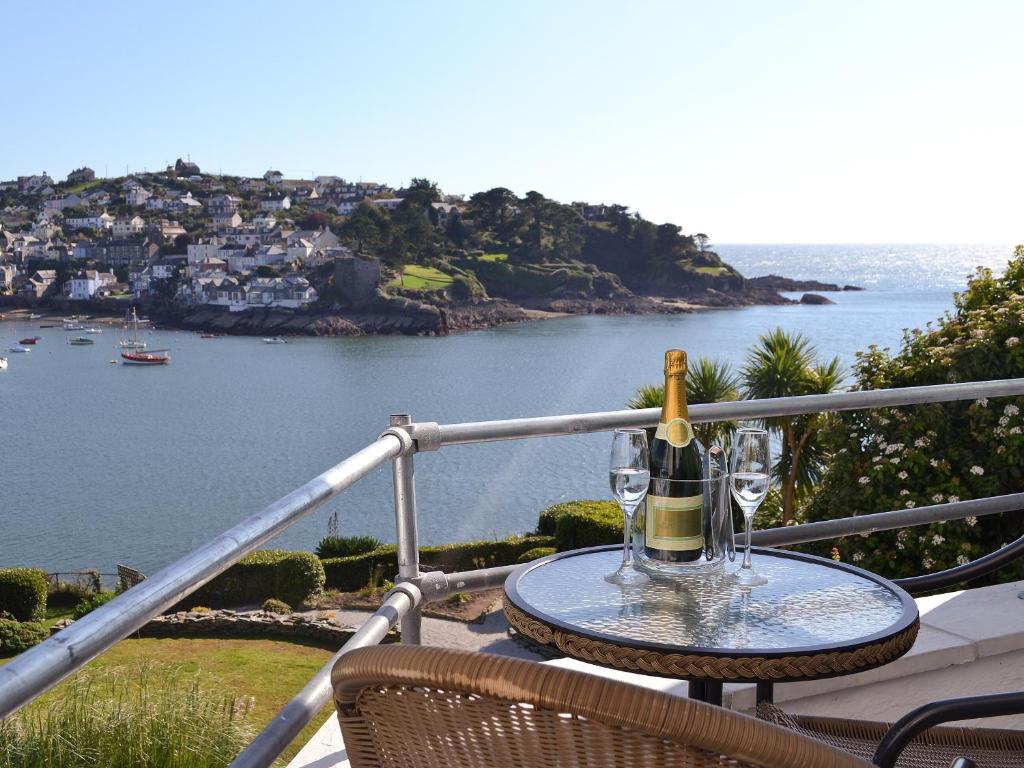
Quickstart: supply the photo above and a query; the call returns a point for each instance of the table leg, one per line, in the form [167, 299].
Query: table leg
[698, 690]
[709, 691]
[765, 692]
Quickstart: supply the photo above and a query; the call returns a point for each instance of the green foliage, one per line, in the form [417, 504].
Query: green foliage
[18, 636]
[157, 720]
[349, 574]
[346, 546]
[288, 576]
[91, 603]
[536, 553]
[576, 524]
[67, 594]
[276, 606]
[23, 593]
[909, 457]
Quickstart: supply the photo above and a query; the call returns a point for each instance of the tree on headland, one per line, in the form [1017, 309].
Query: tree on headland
[702, 241]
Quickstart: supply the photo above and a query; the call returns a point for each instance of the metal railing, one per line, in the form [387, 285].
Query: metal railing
[41, 667]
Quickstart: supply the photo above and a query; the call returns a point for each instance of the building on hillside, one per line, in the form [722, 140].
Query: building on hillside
[41, 283]
[137, 195]
[210, 264]
[81, 175]
[186, 168]
[318, 238]
[226, 221]
[387, 203]
[35, 184]
[87, 283]
[247, 234]
[276, 203]
[225, 292]
[321, 256]
[167, 267]
[89, 221]
[292, 292]
[118, 253]
[204, 249]
[444, 214]
[125, 227]
[60, 203]
[7, 274]
[264, 220]
[219, 205]
[268, 255]
[273, 177]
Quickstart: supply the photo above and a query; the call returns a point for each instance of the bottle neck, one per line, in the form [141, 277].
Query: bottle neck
[675, 398]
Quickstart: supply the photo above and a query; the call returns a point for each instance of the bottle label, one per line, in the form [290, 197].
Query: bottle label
[677, 432]
[674, 522]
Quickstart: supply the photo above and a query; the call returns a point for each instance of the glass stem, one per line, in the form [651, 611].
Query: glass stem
[746, 549]
[625, 539]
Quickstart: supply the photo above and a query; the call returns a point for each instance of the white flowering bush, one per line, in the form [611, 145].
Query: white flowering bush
[902, 458]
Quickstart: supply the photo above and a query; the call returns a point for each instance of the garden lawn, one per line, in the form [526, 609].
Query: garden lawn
[271, 671]
[419, 278]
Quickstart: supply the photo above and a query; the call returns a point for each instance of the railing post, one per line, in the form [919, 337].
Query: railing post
[406, 536]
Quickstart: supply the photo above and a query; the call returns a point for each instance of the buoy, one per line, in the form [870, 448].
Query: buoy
[113, 362]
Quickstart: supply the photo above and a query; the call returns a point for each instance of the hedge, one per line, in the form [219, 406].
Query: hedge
[23, 593]
[576, 524]
[346, 546]
[349, 574]
[270, 573]
[18, 636]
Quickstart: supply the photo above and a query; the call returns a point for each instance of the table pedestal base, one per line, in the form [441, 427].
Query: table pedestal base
[710, 691]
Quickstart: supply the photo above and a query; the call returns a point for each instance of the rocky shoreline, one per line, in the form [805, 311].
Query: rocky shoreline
[403, 316]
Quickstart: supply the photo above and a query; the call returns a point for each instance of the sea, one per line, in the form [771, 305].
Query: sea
[103, 464]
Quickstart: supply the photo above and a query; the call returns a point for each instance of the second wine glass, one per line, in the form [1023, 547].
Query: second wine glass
[751, 470]
[629, 475]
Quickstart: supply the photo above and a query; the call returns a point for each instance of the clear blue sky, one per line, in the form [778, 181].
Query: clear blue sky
[749, 121]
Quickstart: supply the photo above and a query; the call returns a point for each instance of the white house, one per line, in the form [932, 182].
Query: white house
[220, 205]
[89, 221]
[124, 228]
[241, 261]
[276, 203]
[227, 292]
[387, 203]
[272, 254]
[226, 220]
[206, 249]
[321, 256]
[264, 220]
[292, 292]
[273, 177]
[300, 249]
[60, 203]
[86, 283]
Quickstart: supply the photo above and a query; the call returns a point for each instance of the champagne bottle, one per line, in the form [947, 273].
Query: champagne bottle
[674, 521]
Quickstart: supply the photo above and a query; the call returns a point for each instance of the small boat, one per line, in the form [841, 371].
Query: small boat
[48, 326]
[3, 363]
[20, 349]
[131, 344]
[154, 357]
[81, 341]
[71, 325]
[31, 340]
[33, 316]
[94, 330]
[275, 340]
[210, 335]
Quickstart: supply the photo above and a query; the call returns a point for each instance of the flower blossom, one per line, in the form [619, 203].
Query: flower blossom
[902, 475]
[1011, 410]
[963, 560]
[857, 557]
[863, 480]
[937, 498]
[904, 492]
[1012, 342]
[953, 499]
[937, 539]
[971, 521]
[910, 504]
[976, 470]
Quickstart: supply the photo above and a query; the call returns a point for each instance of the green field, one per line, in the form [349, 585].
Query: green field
[494, 257]
[419, 278]
[79, 188]
[271, 671]
[716, 271]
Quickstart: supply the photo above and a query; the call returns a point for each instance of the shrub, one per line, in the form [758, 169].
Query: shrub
[276, 606]
[900, 458]
[91, 603]
[352, 573]
[346, 546]
[67, 594]
[577, 524]
[536, 553]
[18, 636]
[23, 593]
[288, 576]
[156, 719]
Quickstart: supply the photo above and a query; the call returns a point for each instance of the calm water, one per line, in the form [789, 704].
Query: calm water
[101, 463]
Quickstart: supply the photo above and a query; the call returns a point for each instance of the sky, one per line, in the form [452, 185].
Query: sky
[814, 122]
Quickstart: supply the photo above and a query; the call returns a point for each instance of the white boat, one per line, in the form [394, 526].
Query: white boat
[3, 363]
[21, 349]
[33, 316]
[275, 340]
[93, 330]
[73, 325]
[131, 344]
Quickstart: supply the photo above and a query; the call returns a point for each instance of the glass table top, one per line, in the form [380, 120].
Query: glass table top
[807, 604]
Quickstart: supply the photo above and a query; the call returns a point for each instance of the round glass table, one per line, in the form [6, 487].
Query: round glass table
[814, 618]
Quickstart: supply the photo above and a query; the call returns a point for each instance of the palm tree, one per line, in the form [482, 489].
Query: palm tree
[786, 365]
[707, 381]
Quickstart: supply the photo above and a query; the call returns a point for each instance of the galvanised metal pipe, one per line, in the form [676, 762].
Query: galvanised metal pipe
[883, 521]
[436, 585]
[41, 667]
[549, 426]
[406, 535]
[297, 713]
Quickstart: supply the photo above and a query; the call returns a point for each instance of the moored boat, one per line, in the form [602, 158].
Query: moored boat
[275, 340]
[81, 341]
[20, 349]
[3, 363]
[31, 340]
[153, 357]
[72, 325]
[94, 330]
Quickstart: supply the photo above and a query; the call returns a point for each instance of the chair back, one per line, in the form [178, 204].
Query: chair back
[419, 707]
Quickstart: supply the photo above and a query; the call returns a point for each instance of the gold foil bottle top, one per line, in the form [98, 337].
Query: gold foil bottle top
[675, 362]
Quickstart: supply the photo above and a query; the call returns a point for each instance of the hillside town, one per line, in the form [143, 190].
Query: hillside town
[181, 235]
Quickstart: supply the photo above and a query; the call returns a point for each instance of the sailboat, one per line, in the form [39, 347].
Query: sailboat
[136, 355]
[131, 341]
[3, 363]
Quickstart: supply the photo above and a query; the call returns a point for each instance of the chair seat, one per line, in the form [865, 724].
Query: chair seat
[935, 748]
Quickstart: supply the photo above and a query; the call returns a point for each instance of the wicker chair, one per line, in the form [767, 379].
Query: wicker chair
[414, 707]
[913, 742]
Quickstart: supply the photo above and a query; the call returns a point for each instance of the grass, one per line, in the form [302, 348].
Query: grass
[417, 277]
[494, 257]
[270, 671]
[716, 271]
[79, 188]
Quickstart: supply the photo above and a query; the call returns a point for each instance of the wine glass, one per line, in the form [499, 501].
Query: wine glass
[629, 474]
[751, 465]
